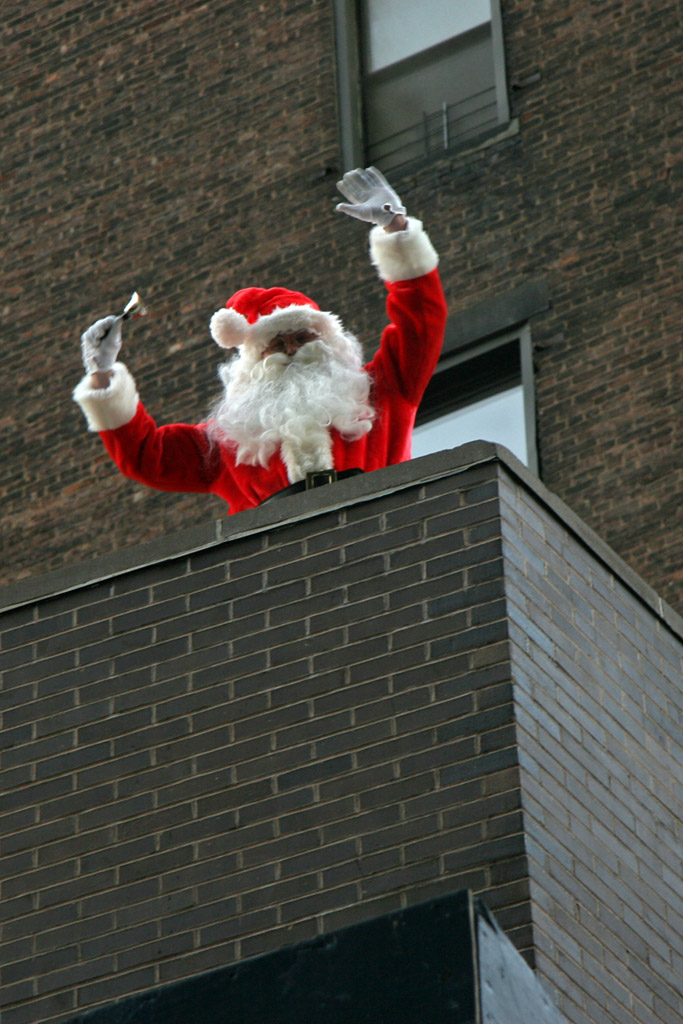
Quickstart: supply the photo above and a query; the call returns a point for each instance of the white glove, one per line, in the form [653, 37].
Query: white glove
[101, 344]
[372, 197]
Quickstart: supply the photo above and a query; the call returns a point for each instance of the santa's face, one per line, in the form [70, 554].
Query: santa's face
[288, 343]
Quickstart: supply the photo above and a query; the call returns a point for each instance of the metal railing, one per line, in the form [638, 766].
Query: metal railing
[449, 127]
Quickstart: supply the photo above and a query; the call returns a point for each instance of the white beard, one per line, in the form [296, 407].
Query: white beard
[291, 403]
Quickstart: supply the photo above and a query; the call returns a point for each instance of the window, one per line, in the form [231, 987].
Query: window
[418, 78]
[482, 393]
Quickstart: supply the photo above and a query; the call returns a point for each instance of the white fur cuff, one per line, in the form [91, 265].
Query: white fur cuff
[402, 255]
[111, 407]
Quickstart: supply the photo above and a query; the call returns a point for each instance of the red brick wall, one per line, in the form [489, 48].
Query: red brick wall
[182, 150]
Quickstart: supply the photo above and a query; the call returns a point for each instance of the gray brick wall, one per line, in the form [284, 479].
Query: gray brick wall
[423, 680]
[598, 701]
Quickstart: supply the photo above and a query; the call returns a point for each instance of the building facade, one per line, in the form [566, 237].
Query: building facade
[222, 736]
[188, 150]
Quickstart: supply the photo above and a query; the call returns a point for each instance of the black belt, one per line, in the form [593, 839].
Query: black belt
[316, 479]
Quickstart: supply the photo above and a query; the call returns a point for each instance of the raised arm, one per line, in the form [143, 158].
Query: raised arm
[406, 261]
[172, 458]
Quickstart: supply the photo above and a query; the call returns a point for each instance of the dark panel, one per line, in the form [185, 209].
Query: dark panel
[413, 965]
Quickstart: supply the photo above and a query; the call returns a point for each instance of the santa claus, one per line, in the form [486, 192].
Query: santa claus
[298, 407]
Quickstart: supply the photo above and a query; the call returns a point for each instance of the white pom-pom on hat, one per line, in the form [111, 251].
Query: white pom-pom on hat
[228, 328]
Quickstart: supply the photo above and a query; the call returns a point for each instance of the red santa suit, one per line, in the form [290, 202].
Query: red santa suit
[181, 457]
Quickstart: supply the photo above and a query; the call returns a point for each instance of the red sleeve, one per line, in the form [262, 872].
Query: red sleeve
[178, 457]
[412, 341]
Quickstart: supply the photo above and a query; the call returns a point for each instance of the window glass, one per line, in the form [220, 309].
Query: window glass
[396, 29]
[499, 418]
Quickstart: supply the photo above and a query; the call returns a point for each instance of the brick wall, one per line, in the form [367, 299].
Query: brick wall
[355, 701]
[154, 145]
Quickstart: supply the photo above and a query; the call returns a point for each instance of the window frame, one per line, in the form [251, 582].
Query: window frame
[350, 98]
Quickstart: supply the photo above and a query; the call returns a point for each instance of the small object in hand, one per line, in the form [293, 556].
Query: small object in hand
[134, 308]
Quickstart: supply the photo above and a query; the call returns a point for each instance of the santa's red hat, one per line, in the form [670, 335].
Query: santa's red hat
[255, 315]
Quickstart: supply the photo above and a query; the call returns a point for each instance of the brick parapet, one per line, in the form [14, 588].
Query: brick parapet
[428, 681]
[233, 748]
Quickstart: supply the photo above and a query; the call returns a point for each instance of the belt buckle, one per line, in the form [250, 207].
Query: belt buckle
[320, 477]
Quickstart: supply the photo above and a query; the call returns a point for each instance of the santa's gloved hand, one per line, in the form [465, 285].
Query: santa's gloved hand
[371, 197]
[101, 344]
